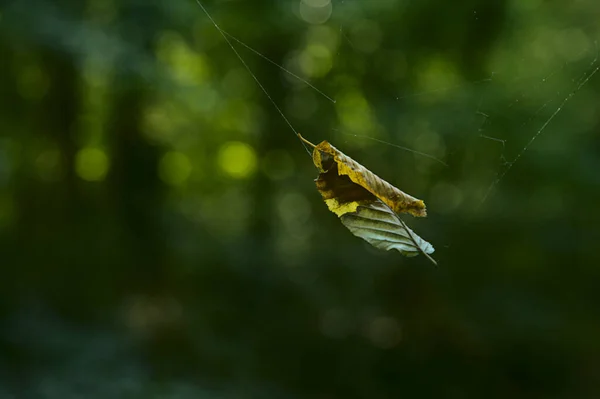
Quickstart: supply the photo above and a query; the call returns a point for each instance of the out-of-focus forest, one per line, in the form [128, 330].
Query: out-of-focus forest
[161, 235]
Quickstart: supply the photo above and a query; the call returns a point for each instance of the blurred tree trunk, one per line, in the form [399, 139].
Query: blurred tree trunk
[135, 186]
[47, 214]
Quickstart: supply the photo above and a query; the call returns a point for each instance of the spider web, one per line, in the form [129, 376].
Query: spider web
[507, 112]
[508, 164]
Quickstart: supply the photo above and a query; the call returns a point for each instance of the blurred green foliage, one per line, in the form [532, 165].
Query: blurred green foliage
[161, 235]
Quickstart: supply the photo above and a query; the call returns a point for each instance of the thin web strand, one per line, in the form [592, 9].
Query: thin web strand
[394, 145]
[279, 66]
[483, 136]
[525, 123]
[343, 33]
[251, 73]
[582, 82]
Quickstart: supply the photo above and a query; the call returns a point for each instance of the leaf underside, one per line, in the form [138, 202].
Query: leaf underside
[375, 223]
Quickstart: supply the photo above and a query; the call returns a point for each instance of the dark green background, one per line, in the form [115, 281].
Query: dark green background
[161, 235]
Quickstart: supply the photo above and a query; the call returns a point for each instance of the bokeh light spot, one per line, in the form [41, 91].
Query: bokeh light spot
[436, 73]
[174, 168]
[91, 164]
[315, 11]
[237, 159]
[354, 111]
[315, 61]
[186, 66]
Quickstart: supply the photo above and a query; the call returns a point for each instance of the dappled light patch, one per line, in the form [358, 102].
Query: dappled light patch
[315, 61]
[91, 164]
[315, 11]
[433, 73]
[237, 159]
[354, 111]
[187, 67]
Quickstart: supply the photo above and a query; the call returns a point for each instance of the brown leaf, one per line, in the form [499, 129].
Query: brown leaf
[325, 155]
[366, 204]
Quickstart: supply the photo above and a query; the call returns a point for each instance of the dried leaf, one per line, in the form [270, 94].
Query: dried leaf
[398, 201]
[366, 204]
